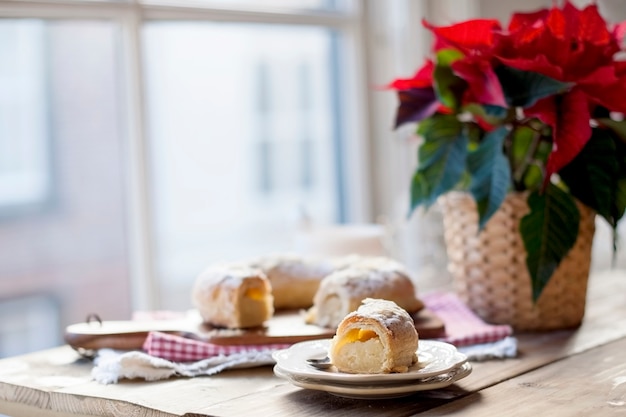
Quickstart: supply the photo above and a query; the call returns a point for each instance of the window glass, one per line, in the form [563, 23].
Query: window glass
[24, 162]
[60, 128]
[240, 121]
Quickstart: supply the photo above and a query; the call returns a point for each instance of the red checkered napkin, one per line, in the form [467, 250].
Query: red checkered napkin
[180, 349]
[463, 327]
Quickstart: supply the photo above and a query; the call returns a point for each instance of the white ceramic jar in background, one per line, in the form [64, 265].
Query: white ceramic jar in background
[346, 239]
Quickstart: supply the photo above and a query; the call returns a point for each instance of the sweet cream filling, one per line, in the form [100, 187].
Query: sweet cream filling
[254, 293]
[356, 335]
[333, 305]
[360, 356]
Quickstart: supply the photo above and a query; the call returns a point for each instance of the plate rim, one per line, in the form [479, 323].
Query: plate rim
[377, 392]
[319, 348]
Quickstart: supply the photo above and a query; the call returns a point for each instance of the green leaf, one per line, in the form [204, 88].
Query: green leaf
[533, 178]
[619, 207]
[433, 130]
[494, 115]
[620, 199]
[543, 151]
[420, 189]
[549, 231]
[441, 159]
[597, 177]
[448, 87]
[474, 134]
[592, 176]
[521, 144]
[490, 174]
[529, 151]
[496, 111]
[525, 88]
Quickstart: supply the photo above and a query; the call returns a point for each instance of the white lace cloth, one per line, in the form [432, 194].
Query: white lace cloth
[112, 366]
[502, 349]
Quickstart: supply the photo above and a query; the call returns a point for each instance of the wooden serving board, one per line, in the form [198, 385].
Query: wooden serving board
[285, 327]
[428, 324]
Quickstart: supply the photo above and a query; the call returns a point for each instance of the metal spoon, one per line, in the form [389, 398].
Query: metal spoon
[323, 363]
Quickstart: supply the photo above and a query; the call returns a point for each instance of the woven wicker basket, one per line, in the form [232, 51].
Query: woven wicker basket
[489, 268]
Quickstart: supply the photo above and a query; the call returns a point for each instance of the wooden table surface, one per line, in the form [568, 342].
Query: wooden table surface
[578, 372]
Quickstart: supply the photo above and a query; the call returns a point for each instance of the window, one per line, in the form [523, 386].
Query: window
[24, 150]
[242, 141]
[62, 171]
[244, 136]
[141, 141]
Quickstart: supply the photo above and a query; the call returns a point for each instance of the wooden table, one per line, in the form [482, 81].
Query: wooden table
[566, 373]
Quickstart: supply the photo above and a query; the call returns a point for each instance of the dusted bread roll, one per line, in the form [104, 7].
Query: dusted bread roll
[379, 337]
[294, 279]
[342, 291]
[370, 262]
[233, 296]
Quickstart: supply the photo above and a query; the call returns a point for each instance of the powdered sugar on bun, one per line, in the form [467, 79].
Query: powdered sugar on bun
[379, 337]
[343, 291]
[233, 296]
[294, 278]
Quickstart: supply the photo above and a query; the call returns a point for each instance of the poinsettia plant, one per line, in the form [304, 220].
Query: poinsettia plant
[537, 106]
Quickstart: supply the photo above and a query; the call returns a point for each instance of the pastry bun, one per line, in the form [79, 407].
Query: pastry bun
[294, 279]
[379, 337]
[233, 296]
[342, 291]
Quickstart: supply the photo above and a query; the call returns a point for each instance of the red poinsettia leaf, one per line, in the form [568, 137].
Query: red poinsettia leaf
[606, 86]
[592, 27]
[557, 24]
[525, 20]
[476, 34]
[600, 77]
[529, 35]
[587, 58]
[572, 130]
[572, 17]
[544, 110]
[537, 63]
[619, 31]
[482, 80]
[610, 96]
[422, 78]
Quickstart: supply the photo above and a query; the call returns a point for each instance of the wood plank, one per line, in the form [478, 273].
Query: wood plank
[21, 410]
[57, 380]
[590, 383]
[605, 322]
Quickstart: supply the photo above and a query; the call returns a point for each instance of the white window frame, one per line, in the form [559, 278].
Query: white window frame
[130, 15]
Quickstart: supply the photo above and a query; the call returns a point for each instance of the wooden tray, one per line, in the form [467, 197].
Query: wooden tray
[284, 327]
